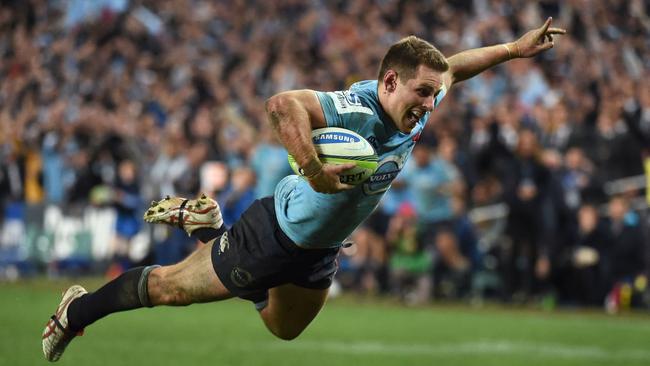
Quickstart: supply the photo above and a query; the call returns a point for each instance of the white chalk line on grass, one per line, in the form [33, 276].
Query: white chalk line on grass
[480, 347]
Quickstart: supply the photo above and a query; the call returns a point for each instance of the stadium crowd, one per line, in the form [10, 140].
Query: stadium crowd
[515, 191]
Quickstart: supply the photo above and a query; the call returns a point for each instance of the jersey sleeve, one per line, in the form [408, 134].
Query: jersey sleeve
[342, 108]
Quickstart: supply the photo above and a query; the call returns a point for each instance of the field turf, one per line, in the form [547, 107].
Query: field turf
[349, 331]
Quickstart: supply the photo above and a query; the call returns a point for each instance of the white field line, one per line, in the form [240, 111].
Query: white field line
[481, 347]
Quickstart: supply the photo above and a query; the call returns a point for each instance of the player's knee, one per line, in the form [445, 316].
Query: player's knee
[286, 333]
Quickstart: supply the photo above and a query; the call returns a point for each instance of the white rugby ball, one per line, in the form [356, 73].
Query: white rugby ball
[336, 145]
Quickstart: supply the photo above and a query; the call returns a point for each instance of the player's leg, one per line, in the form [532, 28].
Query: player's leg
[191, 281]
[251, 268]
[291, 308]
[188, 282]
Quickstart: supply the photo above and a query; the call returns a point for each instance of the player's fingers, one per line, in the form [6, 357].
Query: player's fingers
[321, 188]
[344, 167]
[547, 45]
[344, 187]
[547, 23]
[556, 31]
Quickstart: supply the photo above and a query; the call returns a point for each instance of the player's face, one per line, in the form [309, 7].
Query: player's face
[411, 99]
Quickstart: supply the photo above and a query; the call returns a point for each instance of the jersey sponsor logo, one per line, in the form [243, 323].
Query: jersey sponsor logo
[223, 243]
[335, 138]
[380, 181]
[348, 102]
[388, 169]
[240, 277]
[350, 178]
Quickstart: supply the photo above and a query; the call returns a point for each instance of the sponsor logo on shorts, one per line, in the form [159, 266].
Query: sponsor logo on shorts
[223, 243]
[240, 277]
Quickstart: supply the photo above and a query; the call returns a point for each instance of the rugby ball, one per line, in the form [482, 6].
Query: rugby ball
[336, 145]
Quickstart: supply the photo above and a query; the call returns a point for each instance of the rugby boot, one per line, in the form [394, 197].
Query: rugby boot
[187, 214]
[57, 335]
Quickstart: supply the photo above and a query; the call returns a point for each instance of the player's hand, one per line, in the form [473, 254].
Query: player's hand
[536, 40]
[328, 181]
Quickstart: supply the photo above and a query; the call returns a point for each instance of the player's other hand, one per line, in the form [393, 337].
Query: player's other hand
[328, 181]
[536, 40]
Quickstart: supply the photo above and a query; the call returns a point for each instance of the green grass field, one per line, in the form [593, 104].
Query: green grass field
[348, 331]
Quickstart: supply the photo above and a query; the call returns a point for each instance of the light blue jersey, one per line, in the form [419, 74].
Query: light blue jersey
[317, 220]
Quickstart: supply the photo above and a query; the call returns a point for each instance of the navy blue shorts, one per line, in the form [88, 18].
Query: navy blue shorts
[256, 255]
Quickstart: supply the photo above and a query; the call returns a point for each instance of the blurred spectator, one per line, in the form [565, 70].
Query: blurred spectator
[530, 217]
[188, 182]
[585, 269]
[53, 168]
[238, 195]
[457, 255]
[127, 201]
[555, 127]
[628, 251]
[269, 162]
[169, 164]
[489, 223]
[432, 179]
[577, 178]
[12, 176]
[365, 261]
[410, 265]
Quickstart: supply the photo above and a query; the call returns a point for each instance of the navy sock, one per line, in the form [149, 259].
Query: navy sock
[205, 234]
[118, 295]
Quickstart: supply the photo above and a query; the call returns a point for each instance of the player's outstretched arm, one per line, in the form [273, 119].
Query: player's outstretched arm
[466, 64]
[293, 115]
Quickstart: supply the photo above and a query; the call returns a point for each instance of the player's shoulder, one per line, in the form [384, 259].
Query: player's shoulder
[361, 98]
[365, 91]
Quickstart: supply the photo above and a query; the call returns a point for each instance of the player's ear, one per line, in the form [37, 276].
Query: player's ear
[390, 81]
